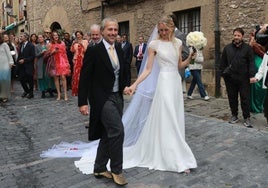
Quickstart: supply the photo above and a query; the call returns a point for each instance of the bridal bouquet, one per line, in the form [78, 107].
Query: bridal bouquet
[196, 40]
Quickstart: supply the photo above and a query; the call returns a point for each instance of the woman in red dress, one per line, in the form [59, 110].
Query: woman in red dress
[57, 48]
[78, 47]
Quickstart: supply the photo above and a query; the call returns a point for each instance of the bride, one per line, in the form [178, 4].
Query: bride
[161, 145]
[154, 121]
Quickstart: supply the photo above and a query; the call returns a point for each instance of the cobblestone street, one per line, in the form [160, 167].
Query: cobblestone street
[228, 156]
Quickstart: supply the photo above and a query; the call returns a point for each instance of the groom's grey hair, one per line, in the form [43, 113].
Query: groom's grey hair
[105, 20]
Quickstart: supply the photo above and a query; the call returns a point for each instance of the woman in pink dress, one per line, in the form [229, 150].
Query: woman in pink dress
[78, 47]
[57, 48]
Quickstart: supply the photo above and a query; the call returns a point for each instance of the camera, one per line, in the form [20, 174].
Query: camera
[261, 38]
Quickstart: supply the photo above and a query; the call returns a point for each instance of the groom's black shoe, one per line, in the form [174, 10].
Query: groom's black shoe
[106, 174]
[24, 94]
[30, 95]
[119, 179]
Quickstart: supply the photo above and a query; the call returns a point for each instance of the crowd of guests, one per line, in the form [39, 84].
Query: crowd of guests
[35, 55]
[25, 57]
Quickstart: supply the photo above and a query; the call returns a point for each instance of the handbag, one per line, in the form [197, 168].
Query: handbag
[187, 73]
[51, 66]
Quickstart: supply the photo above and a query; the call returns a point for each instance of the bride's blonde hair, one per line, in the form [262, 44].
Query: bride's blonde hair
[168, 21]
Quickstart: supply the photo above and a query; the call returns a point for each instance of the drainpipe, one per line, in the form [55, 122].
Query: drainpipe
[26, 23]
[217, 51]
[103, 3]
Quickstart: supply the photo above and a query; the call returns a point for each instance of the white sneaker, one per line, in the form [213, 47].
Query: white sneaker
[206, 98]
[189, 97]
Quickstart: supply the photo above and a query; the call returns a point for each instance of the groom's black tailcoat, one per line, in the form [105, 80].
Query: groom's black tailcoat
[96, 84]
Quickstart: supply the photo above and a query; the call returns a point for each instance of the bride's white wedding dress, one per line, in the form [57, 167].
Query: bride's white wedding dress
[162, 145]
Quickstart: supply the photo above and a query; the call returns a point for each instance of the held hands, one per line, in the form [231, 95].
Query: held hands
[130, 90]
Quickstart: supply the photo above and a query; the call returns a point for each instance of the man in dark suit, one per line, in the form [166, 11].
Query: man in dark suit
[128, 54]
[138, 53]
[26, 65]
[102, 84]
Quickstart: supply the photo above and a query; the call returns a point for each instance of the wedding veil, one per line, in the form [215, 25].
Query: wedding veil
[136, 113]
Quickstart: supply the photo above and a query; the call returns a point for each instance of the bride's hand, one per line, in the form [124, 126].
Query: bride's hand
[126, 91]
[130, 90]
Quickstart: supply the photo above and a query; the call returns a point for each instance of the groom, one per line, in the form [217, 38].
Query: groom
[101, 87]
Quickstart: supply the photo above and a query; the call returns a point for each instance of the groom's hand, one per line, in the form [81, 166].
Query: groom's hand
[84, 110]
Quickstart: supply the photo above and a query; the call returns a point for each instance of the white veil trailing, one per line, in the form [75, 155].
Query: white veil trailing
[133, 119]
[136, 114]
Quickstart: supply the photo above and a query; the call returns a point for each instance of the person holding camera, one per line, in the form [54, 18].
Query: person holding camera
[237, 67]
[257, 93]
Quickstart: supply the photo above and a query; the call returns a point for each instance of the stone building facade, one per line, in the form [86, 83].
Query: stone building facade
[142, 15]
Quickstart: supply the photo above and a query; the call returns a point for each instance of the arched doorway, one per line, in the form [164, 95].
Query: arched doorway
[55, 26]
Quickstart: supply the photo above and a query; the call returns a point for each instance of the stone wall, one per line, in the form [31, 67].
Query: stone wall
[240, 13]
[143, 16]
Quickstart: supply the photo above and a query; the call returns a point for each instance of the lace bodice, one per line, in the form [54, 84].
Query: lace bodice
[167, 53]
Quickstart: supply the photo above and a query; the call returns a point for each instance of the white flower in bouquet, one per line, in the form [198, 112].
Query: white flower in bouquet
[196, 39]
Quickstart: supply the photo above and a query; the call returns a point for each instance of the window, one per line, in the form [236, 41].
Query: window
[188, 20]
[124, 28]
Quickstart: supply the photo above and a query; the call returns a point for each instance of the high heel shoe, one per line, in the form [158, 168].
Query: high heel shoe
[65, 97]
[58, 98]
[187, 172]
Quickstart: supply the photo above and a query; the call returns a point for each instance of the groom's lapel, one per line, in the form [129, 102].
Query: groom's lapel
[105, 57]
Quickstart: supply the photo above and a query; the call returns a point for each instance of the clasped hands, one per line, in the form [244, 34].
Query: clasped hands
[130, 90]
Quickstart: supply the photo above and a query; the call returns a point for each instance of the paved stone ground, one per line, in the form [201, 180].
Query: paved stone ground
[228, 156]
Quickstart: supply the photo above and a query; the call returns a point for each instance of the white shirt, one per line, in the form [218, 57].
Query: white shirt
[262, 72]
